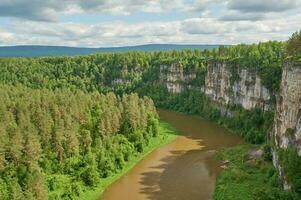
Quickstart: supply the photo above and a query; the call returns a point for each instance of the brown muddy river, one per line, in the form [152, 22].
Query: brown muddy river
[182, 170]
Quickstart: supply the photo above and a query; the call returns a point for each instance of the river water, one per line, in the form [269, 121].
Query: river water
[182, 170]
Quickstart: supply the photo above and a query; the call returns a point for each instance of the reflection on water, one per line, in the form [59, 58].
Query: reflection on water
[182, 170]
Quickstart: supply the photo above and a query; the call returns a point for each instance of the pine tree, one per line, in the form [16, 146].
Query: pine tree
[32, 149]
[86, 140]
[35, 187]
[3, 146]
[15, 144]
[294, 44]
[72, 143]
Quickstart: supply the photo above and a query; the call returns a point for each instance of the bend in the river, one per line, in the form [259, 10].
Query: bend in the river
[184, 169]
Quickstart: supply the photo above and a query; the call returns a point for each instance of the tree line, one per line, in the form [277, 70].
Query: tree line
[127, 72]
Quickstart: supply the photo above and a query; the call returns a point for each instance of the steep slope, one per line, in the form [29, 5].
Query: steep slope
[287, 125]
[225, 83]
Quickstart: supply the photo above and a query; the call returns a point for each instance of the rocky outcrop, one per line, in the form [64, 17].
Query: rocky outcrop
[287, 122]
[174, 77]
[126, 75]
[224, 85]
[276, 163]
[227, 84]
[239, 86]
[218, 83]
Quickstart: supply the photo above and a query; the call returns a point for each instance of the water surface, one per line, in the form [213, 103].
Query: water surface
[182, 170]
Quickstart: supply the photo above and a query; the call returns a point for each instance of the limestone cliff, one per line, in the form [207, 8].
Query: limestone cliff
[242, 86]
[222, 84]
[175, 78]
[287, 123]
[218, 82]
[226, 84]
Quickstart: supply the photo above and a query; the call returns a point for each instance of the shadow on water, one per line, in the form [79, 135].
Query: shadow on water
[209, 135]
[187, 174]
[181, 176]
[182, 170]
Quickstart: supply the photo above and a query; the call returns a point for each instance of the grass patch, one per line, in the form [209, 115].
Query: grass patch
[165, 136]
[247, 179]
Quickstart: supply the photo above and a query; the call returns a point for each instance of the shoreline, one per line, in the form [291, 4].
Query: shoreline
[166, 135]
[243, 171]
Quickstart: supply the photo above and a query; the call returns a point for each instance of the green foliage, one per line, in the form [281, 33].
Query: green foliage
[293, 47]
[253, 124]
[76, 138]
[70, 138]
[267, 153]
[291, 162]
[248, 179]
[140, 71]
[4, 194]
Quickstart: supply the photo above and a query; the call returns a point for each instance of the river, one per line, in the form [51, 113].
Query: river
[182, 170]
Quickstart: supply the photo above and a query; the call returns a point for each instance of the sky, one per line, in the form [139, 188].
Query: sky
[111, 23]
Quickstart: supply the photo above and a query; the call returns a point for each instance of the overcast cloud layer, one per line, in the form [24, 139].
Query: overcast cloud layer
[103, 23]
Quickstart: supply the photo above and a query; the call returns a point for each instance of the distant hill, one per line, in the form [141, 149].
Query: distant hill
[38, 51]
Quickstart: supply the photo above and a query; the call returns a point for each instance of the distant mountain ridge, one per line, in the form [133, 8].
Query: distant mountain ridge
[39, 51]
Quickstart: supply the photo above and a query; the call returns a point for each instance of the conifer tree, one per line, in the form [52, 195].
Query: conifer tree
[15, 144]
[32, 149]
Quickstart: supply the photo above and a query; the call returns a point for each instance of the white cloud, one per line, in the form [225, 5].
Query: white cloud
[50, 10]
[262, 5]
[238, 16]
[193, 30]
[6, 37]
[203, 26]
[225, 23]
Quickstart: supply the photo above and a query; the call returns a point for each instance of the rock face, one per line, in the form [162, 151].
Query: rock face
[174, 77]
[222, 85]
[287, 122]
[225, 84]
[276, 163]
[242, 87]
[217, 83]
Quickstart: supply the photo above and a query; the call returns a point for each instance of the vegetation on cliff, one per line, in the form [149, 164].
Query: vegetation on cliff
[266, 59]
[291, 162]
[131, 71]
[253, 124]
[249, 177]
[293, 47]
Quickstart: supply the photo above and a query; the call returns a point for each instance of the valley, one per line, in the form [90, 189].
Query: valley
[75, 127]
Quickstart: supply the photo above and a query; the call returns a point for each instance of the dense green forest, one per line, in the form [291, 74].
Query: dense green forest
[140, 72]
[66, 122]
[50, 137]
[136, 70]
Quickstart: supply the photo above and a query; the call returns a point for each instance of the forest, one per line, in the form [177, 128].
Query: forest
[79, 119]
[139, 72]
[54, 144]
[131, 71]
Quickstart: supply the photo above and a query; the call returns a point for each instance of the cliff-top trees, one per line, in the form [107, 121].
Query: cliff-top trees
[294, 45]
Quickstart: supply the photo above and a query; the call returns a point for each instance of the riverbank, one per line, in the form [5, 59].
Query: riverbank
[165, 136]
[247, 177]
